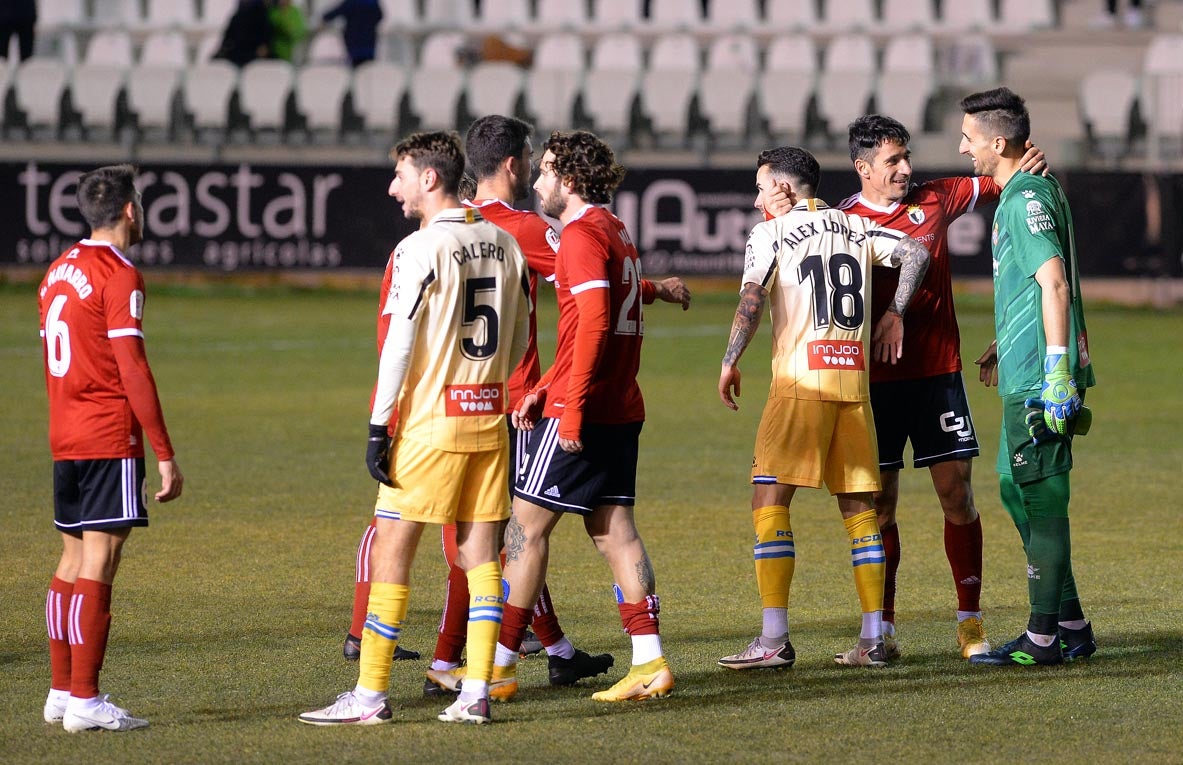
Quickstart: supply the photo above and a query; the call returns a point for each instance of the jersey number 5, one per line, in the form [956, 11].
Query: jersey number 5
[485, 313]
[57, 338]
[838, 299]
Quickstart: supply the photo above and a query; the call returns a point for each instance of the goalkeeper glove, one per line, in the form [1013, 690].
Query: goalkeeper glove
[1058, 398]
[377, 453]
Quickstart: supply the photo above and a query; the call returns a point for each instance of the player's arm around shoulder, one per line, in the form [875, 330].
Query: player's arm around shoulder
[911, 258]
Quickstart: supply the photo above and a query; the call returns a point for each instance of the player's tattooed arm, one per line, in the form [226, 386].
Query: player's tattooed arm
[743, 329]
[747, 320]
[645, 576]
[911, 258]
[515, 539]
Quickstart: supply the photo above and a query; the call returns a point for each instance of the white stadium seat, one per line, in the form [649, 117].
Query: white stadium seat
[37, 88]
[844, 16]
[669, 83]
[493, 88]
[786, 85]
[94, 91]
[728, 83]
[151, 90]
[165, 49]
[111, 47]
[320, 91]
[790, 16]
[847, 81]
[206, 92]
[263, 91]
[378, 87]
[553, 83]
[908, 79]
[612, 82]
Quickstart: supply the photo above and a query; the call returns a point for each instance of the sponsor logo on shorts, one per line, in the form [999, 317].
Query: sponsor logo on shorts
[836, 354]
[1018, 460]
[951, 423]
[468, 400]
[553, 492]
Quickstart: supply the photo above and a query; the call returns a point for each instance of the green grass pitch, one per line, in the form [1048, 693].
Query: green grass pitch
[230, 609]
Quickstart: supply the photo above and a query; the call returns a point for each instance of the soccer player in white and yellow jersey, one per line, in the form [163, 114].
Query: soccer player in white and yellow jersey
[459, 306]
[815, 265]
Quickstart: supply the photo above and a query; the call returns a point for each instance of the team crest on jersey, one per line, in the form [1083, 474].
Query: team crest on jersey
[1029, 193]
[836, 354]
[552, 238]
[915, 214]
[994, 242]
[469, 400]
[1034, 208]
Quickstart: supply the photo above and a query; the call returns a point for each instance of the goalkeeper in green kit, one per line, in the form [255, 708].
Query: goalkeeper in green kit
[1040, 363]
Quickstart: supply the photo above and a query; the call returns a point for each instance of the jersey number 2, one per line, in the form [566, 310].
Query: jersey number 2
[844, 304]
[57, 338]
[475, 310]
[626, 324]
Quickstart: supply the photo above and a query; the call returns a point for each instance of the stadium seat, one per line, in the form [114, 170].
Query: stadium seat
[399, 16]
[110, 46]
[1162, 94]
[733, 15]
[94, 94]
[969, 61]
[151, 94]
[441, 50]
[61, 14]
[165, 49]
[263, 91]
[37, 89]
[561, 15]
[320, 91]
[610, 87]
[115, 14]
[327, 47]
[449, 14]
[504, 15]
[668, 85]
[214, 15]
[1022, 16]
[908, 79]
[790, 15]
[494, 88]
[378, 87]
[205, 95]
[612, 15]
[842, 16]
[674, 15]
[847, 81]
[433, 95]
[727, 85]
[908, 15]
[169, 14]
[1106, 106]
[967, 15]
[787, 84]
[554, 81]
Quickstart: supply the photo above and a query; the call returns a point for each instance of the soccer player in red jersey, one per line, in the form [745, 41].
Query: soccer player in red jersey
[921, 396]
[582, 452]
[102, 400]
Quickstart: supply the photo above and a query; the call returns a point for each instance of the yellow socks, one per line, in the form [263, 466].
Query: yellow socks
[774, 554]
[485, 604]
[384, 620]
[867, 558]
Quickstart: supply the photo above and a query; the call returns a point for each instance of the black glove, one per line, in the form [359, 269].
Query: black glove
[377, 452]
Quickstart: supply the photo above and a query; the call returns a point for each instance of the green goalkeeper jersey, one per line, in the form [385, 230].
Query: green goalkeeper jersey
[1031, 225]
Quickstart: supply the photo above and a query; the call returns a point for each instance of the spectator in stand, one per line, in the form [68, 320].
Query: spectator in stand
[288, 28]
[17, 19]
[248, 34]
[361, 27]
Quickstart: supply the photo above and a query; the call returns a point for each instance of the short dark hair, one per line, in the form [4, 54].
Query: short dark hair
[585, 160]
[439, 150]
[792, 162]
[104, 192]
[493, 139]
[1001, 112]
[868, 133]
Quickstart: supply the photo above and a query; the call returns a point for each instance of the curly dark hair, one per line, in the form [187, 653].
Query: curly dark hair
[587, 162]
[1002, 112]
[103, 193]
[439, 150]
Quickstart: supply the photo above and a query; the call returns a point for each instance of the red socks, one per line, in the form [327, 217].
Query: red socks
[514, 621]
[963, 548]
[641, 618]
[89, 624]
[361, 587]
[546, 624]
[57, 610]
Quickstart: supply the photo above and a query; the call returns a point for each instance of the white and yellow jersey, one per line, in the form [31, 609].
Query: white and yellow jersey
[459, 307]
[816, 263]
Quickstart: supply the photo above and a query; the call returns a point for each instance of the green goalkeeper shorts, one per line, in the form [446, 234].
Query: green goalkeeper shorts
[1019, 456]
